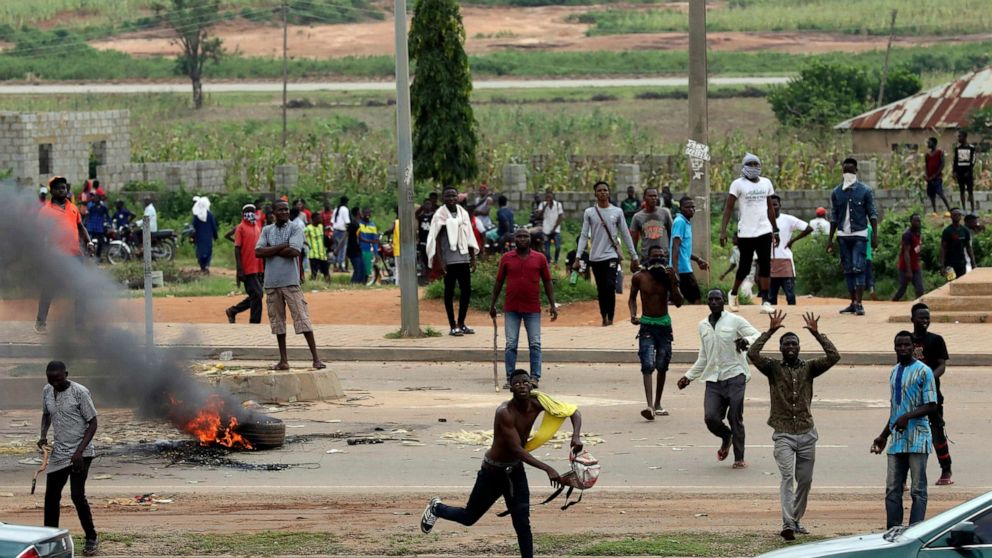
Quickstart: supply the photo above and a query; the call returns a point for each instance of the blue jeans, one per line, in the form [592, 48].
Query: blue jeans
[788, 286]
[359, 273]
[869, 276]
[654, 348]
[340, 247]
[895, 478]
[853, 256]
[556, 236]
[511, 327]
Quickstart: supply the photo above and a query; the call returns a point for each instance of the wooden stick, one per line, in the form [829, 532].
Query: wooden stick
[495, 352]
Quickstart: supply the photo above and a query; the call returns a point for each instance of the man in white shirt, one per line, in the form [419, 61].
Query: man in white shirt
[722, 364]
[756, 229]
[552, 214]
[151, 214]
[790, 229]
[340, 220]
[820, 224]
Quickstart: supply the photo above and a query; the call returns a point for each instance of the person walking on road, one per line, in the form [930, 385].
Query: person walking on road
[652, 225]
[502, 472]
[204, 232]
[933, 168]
[249, 267]
[681, 252]
[601, 225]
[955, 246]
[68, 407]
[964, 169]
[61, 220]
[630, 205]
[656, 283]
[281, 246]
[909, 259]
[523, 270]
[757, 231]
[790, 383]
[452, 240]
[552, 213]
[853, 209]
[913, 399]
[722, 365]
[790, 230]
[930, 349]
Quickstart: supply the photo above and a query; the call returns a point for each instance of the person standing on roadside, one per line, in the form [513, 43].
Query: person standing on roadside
[601, 225]
[790, 230]
[933, 164]
[316, 248]
[955, 246]
[249, 268]
[666, 199]
[819, 224]
[975, 226]
[722, 365]
[151, 213]
[913, 399]
[630, 205]
[930, 349]
[656, 283]
[353, 248]
[853, 209]
[790, 382]
[68, 407]
[681, 251]
[652, 224]
[368, 239]
[64, 225]
[523, 270]
[909, 259]
[452, 240]
[964, 169]
[504, 219]
[552, 214]
[204, 232]
[281, 246]
[757, 231]
[97, 217]
[43, 194]
[340, 221]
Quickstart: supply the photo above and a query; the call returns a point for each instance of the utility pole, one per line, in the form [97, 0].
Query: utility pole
[409, 303]
[146, 246]
[697, 149]
[285, 67]
[885, 68]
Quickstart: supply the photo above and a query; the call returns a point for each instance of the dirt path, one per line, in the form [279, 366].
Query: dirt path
[496, 29]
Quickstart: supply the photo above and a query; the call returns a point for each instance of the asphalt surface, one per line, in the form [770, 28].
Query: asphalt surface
[272, 87]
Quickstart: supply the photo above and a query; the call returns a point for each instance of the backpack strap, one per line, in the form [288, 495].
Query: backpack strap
[546, 500]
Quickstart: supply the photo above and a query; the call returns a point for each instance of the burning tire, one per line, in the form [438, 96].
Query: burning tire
[263, 431]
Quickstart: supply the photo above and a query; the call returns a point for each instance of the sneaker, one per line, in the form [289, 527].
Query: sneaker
[91, 547]
[800, 530]
[767, 308]
[230, 315]
[467, 330]
[535, 383]
[40, 328]
[732, 303]
[788, 534]
[429, 518]
[851, 308]
[859, 310]
[455, 332]
[506, 386]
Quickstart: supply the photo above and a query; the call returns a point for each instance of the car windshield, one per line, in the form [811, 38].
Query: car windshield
[925, 528]
[10, 548]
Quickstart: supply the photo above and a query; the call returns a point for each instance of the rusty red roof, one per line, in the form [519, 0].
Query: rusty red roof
[944, 106]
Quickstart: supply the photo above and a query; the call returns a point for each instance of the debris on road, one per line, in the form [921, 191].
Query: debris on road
[485, 438]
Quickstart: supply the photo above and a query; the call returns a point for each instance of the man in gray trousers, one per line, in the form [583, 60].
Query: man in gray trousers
[791, 384]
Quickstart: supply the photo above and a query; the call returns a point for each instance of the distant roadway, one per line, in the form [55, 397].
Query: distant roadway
[273, 87]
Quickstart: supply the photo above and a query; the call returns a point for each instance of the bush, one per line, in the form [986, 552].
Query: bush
[484, 279]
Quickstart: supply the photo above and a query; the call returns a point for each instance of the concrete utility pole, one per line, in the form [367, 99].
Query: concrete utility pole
[699, 177]
[409, 304]
[285, 67]
[146, 246]
[885, 68]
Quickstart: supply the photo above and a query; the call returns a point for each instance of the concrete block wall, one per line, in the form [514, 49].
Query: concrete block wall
[72, 135]
[198, 176]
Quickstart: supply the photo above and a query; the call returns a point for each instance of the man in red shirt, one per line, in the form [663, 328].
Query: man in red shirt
[523, 270]
[64, 226]
[248, 266]
[934, 169]
[909, 259]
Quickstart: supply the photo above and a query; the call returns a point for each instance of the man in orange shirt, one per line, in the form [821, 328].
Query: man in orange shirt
[64, 225]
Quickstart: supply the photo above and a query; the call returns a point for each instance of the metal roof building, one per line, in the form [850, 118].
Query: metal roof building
[906, 123]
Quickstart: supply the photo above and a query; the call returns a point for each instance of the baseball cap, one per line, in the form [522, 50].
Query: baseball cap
[43, 190]
[820, 212]
[57, 180]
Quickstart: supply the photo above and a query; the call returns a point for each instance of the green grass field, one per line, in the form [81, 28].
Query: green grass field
[869, 17]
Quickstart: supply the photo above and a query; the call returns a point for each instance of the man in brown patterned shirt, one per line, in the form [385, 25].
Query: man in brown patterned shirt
[791, 385]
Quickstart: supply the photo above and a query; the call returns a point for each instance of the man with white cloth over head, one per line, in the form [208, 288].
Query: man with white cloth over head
[451, 239]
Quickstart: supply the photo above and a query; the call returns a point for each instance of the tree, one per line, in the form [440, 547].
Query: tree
[192, 20]
[444, 127]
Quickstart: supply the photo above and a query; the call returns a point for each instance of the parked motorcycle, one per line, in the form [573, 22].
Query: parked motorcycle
[126, 242]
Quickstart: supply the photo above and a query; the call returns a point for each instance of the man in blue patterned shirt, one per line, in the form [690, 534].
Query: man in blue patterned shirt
[913, 397]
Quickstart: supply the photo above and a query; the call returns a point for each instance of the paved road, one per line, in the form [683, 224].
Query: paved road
[271, 87]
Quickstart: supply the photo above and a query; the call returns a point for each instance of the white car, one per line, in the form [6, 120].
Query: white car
[21, 541]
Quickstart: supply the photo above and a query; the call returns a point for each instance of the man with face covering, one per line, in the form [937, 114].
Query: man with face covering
[790, 381]
[853, 207]
[757, 230]
[249, 267]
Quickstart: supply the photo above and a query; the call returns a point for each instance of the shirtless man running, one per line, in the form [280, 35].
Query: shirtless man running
[655, 282]
[502, 472]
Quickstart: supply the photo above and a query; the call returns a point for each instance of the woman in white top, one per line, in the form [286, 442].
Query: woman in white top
[756, 229]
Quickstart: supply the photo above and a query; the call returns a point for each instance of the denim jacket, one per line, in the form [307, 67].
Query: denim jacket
[861, 201]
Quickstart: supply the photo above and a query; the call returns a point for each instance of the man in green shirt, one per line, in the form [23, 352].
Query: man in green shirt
[869, 268]
[631, 205]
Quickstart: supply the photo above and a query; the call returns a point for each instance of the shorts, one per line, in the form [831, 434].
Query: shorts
[689, 288]
[965, 180]
[654, 348]
[277, 300]
[761, 247]
[935, 187]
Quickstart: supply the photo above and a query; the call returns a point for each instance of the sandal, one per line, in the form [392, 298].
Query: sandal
[467, 330]
[455, 332]
[661, 412]
[740, 464]
[648, 414]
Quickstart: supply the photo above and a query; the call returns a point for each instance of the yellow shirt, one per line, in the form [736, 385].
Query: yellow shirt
[555, 413]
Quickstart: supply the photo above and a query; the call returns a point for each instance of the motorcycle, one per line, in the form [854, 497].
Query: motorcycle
[126, 243]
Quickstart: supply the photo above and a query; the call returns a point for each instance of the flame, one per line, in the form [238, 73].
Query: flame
[208, 426]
